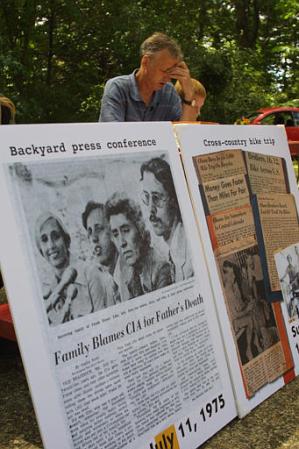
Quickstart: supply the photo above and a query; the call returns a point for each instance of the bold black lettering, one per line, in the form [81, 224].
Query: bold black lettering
[13, 151]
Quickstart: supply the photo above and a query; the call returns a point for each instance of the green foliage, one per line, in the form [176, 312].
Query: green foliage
[56, 55]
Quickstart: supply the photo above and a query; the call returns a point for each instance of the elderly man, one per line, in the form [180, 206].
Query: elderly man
[147, 94]
[140, 269]
[100, 271]
[159, 197]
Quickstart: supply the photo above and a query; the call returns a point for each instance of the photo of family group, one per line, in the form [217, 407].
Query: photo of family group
[251, 316]
[102, 230]
[288, 269]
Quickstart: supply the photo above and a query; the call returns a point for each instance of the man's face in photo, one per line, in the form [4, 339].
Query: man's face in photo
[99, 236]
[158, 204]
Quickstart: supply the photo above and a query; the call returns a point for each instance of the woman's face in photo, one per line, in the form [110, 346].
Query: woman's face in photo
[52, 243]
[126, 238]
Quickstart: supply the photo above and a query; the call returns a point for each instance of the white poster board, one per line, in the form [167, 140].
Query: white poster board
[288, 270]
[104, 371]
[205, 145]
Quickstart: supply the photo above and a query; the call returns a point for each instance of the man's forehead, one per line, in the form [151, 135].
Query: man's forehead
[152, 183]
[96, 214]
[165, 60]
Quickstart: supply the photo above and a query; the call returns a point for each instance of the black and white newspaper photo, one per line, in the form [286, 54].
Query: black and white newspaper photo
[287, 264]
[102, 231]
[251, 316]
[252, 320]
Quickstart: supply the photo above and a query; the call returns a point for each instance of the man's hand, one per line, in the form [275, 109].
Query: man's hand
[181, 72]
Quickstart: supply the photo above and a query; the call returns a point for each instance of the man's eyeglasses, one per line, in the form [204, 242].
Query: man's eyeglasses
[158, 199]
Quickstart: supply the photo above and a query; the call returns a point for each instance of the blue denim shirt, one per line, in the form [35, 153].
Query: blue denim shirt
[121, 102]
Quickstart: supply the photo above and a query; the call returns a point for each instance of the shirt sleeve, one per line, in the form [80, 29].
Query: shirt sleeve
[113, 103]
[96, 288]
[163, 276]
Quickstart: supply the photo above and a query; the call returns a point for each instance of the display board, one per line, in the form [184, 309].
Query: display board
[287, 262]
[108, 287]
[245, 197]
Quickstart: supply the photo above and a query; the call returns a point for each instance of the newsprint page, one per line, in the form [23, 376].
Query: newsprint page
[287, 262]
[229, 170]
[109, 288]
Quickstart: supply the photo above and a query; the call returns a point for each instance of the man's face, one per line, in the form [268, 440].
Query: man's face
[52, 243]
[126, 238]
[157, 67]
[99, 236]
[159, 207]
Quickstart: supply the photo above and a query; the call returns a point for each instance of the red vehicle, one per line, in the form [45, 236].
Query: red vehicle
[284, 115]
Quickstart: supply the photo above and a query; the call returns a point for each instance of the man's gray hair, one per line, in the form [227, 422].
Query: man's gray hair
[160, 41]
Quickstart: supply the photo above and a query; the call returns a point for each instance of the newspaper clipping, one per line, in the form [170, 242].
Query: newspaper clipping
[232, 231]
[121, 298]
[266, 173]
[278, 218]
[288, 271]
[287, 263]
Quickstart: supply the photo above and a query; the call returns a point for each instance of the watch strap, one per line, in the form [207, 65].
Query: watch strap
[188, 102]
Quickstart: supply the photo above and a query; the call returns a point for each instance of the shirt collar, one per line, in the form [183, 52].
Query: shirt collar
[134, 91]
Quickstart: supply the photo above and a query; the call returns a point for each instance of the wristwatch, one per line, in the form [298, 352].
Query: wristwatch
[189, 102]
